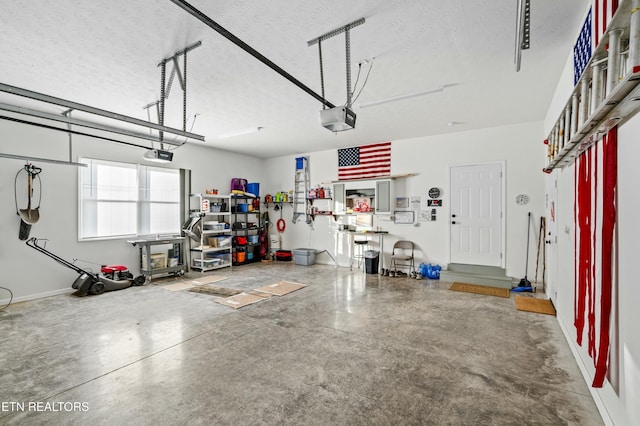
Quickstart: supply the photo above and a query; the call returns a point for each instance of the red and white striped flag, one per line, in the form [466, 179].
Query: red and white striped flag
[603, 11]
[366, 161]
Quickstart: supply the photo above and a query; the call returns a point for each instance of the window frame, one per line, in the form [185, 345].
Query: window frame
[142, 201]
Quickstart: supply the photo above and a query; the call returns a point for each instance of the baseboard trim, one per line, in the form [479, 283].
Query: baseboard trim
[602, 409]
[37, 296]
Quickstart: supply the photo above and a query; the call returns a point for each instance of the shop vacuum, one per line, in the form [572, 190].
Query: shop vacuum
[110, 278]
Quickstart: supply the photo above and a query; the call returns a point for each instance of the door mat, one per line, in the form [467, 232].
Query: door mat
[281, 288]
[241, 300]
[480, 289]
[215, 290]
[208, 280]
[532, 304]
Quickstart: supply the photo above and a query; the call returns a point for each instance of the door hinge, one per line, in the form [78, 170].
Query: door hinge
[500, 255]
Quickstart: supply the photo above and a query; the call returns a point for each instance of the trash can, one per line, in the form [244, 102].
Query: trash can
[371, 259]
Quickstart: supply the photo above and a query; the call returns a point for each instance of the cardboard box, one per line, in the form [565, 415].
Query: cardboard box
[158, 261]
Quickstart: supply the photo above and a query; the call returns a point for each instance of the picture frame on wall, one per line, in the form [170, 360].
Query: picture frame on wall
[402, 202]
[403, 217]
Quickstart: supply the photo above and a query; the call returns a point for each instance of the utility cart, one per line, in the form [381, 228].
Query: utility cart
[170, 261]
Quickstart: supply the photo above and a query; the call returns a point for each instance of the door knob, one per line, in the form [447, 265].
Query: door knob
[453, 215]
[453, 222]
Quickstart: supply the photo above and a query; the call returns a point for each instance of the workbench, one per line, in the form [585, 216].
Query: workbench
[380, 234]
[177, 250]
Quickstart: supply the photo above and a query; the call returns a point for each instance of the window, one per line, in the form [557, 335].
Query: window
[124, 200]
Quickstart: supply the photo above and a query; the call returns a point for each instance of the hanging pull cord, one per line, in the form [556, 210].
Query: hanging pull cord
[324, 106]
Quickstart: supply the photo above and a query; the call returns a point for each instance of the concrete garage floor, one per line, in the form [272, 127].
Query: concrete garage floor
[348, 349]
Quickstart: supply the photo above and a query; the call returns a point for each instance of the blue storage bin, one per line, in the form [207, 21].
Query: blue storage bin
[300, 162]
[253, 188]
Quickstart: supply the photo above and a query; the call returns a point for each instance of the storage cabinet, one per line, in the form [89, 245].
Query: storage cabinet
[384, 196]
[379, 192]
[249, 239]
[339, 198]
[209, 231]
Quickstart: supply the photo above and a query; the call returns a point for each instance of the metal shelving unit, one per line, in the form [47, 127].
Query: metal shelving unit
[213, 246]
[246, 225]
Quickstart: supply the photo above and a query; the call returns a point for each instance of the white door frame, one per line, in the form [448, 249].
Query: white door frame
[503, 219]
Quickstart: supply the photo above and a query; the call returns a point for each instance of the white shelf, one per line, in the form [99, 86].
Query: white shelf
[212, 249]
[211, 268]
[199, 253]
[216, 231]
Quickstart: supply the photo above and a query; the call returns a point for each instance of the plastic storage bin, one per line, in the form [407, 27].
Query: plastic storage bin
[253, 188]
[221, 241]
[304, 256]
[300, 162]
[371, 261]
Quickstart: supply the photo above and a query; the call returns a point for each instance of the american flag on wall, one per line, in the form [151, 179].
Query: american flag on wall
[364, 161]
[595, 24]
[595, 248]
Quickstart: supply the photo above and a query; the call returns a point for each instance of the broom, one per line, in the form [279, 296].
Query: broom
[525, 284]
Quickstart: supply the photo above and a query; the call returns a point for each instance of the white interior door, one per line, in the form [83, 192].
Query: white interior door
[476, 214]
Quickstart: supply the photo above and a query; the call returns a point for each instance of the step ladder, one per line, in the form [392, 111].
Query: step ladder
[301, 203]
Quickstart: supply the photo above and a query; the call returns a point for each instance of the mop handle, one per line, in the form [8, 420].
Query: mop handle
[526, 265]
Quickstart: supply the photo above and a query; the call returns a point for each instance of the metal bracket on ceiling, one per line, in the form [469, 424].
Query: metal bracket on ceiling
[165, 87]
[347, 39]
[523, 30]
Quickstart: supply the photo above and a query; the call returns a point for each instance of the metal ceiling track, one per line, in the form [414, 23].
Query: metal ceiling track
[523, 30]
[244, 46]
[75, 121]
[41, 160]
[100, 112]
[607, 94]
[69, 131]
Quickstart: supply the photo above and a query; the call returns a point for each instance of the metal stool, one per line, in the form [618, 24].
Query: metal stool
[359, 247]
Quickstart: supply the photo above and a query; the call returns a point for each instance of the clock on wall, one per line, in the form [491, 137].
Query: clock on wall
[435, 192]
[522, 199]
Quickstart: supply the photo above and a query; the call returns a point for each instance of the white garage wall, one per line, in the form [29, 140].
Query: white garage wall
[518, 146]
[30, 274]
[618, 399]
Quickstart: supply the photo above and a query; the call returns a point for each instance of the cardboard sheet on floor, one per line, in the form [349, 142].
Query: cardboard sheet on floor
[480, 289]
[215, 290]
[281, 288]
[241, 300]
[532, 304]
[183, 285]
[208, 280]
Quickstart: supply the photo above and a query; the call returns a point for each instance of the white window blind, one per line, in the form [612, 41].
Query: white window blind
[125, 200]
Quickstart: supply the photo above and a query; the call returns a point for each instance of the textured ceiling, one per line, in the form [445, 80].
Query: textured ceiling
[105, 54]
